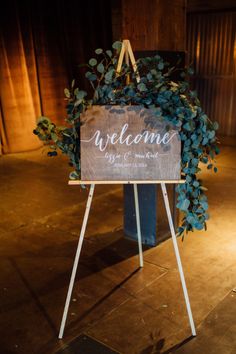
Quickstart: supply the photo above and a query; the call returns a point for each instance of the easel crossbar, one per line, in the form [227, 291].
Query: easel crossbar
[79, 182]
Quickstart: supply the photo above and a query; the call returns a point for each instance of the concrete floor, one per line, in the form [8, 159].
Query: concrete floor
[132, 311]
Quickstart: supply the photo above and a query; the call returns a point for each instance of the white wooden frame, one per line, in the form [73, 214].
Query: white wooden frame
[173, 235]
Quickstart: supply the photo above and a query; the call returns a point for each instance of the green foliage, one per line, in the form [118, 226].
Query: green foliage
[99, 51]
[117, 45]
[172, 102]
[93, 62]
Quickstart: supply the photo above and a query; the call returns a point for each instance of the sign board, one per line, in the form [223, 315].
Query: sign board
[127, 143]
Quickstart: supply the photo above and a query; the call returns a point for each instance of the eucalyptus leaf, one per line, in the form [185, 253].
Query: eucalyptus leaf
[204, 205]
[160, 65]
[67, 93]
[117, 45]
[93, 62]
[73, 175]
[54, 137]
[43, 119]
[142, 87]
[184, 205]
[99, 51]
[91, 76]
[109, 53]
[81, 94]
[216, 125]
[100, 68]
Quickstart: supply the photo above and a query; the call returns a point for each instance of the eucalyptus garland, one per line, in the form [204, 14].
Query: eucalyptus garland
[171, 101]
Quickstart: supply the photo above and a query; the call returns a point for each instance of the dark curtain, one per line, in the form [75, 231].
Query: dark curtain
[42, 45]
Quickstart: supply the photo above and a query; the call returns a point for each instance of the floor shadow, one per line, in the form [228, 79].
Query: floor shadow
[154, 348]
[177, 346]
[34, 297]
[158, 346]
[94, 258]
[86, 345]
[98, 303]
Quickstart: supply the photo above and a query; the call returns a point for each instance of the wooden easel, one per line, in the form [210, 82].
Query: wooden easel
[126, 51]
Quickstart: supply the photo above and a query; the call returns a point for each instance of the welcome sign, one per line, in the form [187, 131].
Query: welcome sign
[128, 143]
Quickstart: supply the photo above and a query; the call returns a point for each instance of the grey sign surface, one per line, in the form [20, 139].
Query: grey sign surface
[128, 143]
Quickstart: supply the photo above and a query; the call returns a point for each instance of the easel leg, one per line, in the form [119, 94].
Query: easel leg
[138, 225]
[78, 251]
[181, 273]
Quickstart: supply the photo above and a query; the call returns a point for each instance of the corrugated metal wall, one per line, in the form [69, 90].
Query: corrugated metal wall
[211, 46]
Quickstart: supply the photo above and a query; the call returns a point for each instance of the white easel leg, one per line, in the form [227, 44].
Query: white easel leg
[78, 251]
[181, 273]
[138, 225]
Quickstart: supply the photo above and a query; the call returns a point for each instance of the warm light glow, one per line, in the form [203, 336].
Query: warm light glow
[198, 47]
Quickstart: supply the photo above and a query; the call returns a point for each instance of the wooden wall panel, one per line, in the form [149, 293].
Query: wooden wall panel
[206, 5]
[152, 24]
[211, 44]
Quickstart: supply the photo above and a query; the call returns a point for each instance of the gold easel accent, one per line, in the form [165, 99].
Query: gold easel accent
[127, 52]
